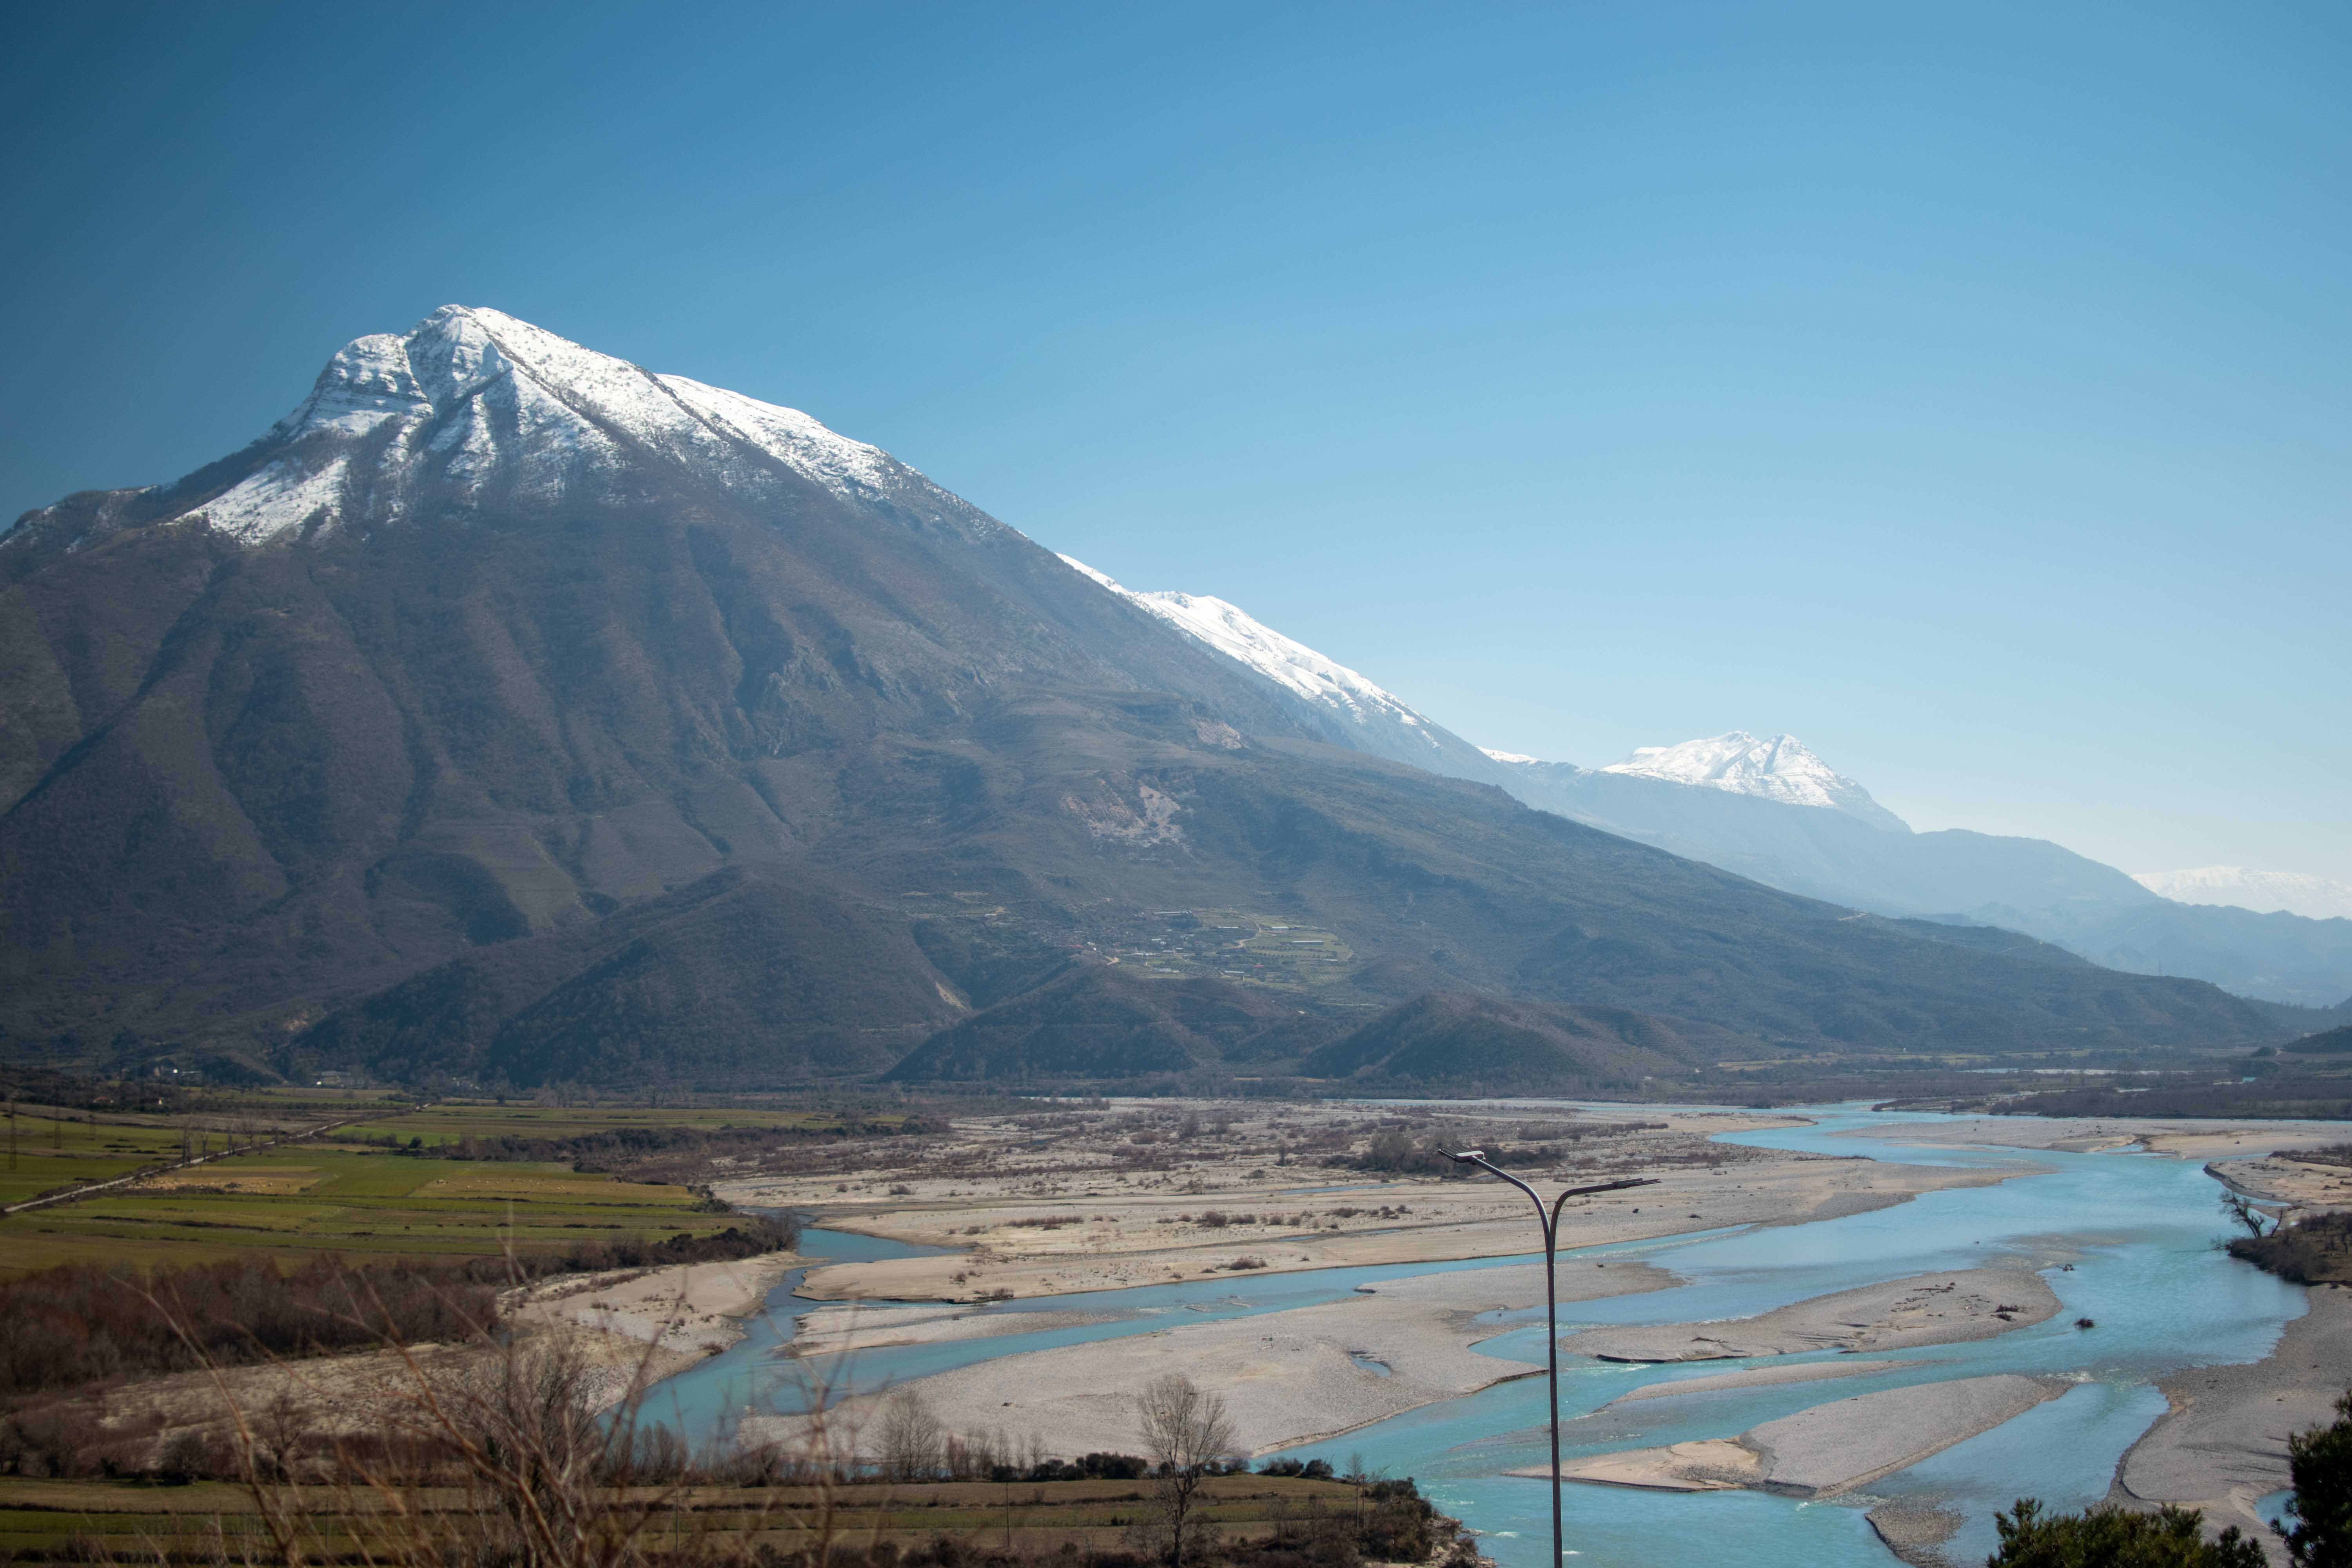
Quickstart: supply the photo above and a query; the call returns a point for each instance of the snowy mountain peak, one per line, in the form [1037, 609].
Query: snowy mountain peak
[472, 404]
[1321, 681]
[2265, 892]
[1778, 769]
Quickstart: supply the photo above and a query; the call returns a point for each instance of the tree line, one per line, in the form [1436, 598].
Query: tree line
[82, 1322]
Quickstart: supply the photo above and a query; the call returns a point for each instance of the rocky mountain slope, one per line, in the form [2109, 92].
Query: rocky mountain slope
[1349, 708]
[511, 711]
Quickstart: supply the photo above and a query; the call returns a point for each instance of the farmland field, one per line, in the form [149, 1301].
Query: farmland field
[388, 1186]
[49, 1519]
[295, 1204]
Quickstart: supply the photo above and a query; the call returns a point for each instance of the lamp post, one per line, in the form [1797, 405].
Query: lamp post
[1549, 1220]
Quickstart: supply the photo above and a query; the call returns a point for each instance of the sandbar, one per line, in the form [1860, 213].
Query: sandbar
[1829, 1449]
[1922, 1309]
[2180, 1138]
[1759, 1376]
[639, 1326]
[2222, 1445]
[1286, 1377]
[865, 1326]
[1121, 1196]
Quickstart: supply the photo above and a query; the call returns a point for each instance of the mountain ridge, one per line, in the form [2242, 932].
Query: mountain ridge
[1773, 811]
[1778, 769]
[2262, 893]
[546, 699]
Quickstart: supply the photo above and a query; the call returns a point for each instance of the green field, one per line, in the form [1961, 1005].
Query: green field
[384, 1186]
[453, 1121]
[301, 1200]
[63, 1151]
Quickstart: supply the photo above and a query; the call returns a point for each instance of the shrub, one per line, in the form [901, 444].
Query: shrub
[2315, 1249]
[2113, 1538]
[2318, 1525]
[80, 1322]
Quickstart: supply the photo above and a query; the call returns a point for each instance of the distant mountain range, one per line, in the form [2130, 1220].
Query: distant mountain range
[511, 714]
[1778, 769]
[1772, 811]
[2265, 892]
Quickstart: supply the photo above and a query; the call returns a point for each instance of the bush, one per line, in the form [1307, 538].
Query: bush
[2319, 1524]
[80, 1322]
[2112, 1538]
[2311, 1251]
[1393, 1149]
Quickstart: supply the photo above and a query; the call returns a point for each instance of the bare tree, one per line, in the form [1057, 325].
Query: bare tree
[2240, 1207]
[912, 1437]
[1185, 1432]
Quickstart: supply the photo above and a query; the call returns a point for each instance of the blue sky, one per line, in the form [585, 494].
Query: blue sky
[1964, 389]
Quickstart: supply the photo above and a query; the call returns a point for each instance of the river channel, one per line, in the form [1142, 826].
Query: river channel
[2140, 1231]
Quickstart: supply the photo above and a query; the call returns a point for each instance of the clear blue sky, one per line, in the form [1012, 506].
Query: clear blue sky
[1963, 388]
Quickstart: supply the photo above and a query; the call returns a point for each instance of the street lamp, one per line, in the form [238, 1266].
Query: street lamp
[1549, 1220]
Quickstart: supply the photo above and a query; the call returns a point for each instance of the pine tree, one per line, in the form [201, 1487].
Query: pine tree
[2320, 1461]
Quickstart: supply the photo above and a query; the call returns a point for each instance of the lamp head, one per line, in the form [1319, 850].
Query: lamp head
[1467, 1156]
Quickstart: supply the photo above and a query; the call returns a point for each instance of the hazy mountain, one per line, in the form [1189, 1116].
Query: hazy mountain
[509, 709]
[2265, 892]
[2331, 1042]
[2278, 957]
[1773, 811]
[2026, 884]
[1778, 769]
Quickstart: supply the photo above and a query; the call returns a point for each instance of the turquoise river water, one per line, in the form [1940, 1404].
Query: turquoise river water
[2140, 1229]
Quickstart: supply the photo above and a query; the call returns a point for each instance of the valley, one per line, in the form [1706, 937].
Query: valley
[1022, 1267]
[563, 894]
[814, 787]
[736, 755]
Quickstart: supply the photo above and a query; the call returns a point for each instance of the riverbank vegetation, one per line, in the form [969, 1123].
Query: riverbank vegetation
[500, 1455]
[82, 1322]
[2314, 1250]
[2115, 1538]
[2316, 1528]
[2194, 1095]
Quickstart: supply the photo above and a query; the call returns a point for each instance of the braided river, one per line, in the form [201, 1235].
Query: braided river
[2138, 1233]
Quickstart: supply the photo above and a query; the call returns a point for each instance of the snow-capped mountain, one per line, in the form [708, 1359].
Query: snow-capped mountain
[1778, 769]
[2265, 892]
[1772, 811]
[472, 408]
[1374, 720]
[511, 711]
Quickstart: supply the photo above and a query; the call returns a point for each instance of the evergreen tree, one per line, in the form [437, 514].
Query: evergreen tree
[2114, 1538]
[2319, 1524]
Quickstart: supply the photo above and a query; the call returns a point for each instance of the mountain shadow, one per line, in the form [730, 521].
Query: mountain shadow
[1449, 1042]
[754, 975]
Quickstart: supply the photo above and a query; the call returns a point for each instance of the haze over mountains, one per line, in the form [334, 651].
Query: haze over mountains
[512, 712]
[1778, 769]
[1772, 810]
[2265, 892]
